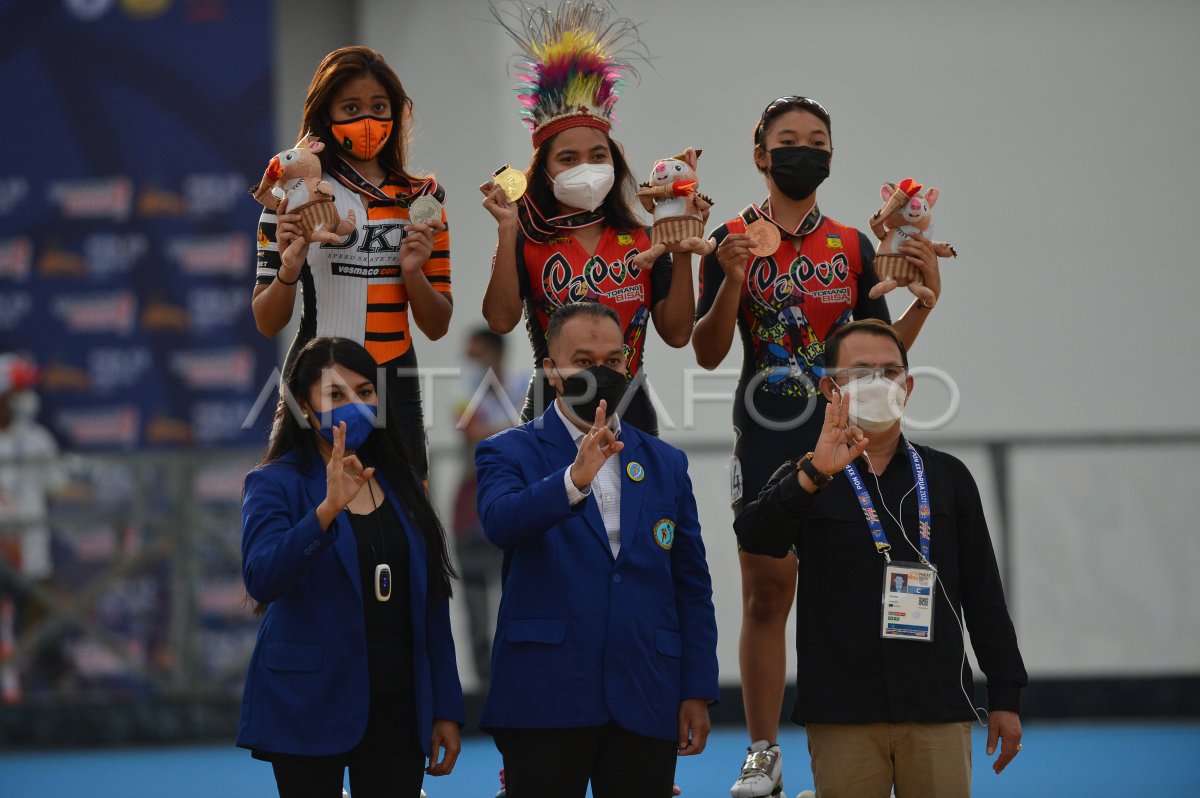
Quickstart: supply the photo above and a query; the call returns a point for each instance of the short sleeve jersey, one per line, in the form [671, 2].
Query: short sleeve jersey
[791, 301]
[560, 272]
[355, 289]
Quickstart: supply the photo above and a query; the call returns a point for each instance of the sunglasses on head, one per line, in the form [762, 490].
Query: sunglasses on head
[795, 100]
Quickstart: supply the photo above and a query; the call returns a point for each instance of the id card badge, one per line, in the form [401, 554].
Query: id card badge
[908, 601]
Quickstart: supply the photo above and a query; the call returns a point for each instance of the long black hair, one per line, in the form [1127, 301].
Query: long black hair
[382, 448]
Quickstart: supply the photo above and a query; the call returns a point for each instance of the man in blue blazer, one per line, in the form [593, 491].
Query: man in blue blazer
[604, 661]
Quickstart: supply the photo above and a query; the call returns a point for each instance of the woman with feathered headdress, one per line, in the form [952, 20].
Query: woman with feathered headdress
[574, 233]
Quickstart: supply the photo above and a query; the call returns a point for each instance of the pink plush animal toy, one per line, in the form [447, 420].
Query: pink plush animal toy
[679, 209]
[906, 210]
[295, 175]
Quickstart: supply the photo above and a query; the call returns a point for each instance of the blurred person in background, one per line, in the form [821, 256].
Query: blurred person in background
[882, 683]
[354, 664]
[30, 475]
[489, 403]
[363, 287]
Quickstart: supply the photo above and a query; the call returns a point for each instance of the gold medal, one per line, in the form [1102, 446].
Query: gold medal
[512, 181]
[764, 237]
[424, 210]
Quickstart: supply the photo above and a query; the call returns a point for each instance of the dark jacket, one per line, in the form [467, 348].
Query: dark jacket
[846, 672]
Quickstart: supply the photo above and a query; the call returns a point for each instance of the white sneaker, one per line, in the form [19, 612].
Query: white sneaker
[806, 794]
[762, 772]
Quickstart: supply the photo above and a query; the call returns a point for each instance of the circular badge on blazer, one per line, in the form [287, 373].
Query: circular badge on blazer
[635, 472]
[664, 533]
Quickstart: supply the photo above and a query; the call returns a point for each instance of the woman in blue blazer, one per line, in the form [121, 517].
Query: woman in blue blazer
[354, 664]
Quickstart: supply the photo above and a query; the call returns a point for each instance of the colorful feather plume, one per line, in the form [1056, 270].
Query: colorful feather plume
[574, 63]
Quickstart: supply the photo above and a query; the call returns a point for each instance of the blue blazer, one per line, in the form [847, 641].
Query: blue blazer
[307, 690]
[583, 639]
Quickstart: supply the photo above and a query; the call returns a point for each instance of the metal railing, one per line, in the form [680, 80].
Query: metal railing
[143, 629]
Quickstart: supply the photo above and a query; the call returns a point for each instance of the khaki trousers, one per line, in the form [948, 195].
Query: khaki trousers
[864, 760]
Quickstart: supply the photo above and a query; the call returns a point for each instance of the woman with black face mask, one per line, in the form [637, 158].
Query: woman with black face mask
[786, 276]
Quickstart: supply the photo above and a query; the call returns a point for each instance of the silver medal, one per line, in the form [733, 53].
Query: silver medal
[424, 210]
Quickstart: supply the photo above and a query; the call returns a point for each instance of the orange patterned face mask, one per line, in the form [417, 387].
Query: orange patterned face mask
[362, 137]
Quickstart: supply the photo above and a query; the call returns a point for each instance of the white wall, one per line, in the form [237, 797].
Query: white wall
[1118, 558]
[1061, 134]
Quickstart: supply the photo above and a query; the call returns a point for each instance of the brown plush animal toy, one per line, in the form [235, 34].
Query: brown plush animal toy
[679, 210]
[295, 175]
[906, 210]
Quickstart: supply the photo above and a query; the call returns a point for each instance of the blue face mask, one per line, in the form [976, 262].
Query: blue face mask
[359, 418]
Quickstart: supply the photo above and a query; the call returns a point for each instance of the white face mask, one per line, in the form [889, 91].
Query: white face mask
[584, 186]
[875, 404]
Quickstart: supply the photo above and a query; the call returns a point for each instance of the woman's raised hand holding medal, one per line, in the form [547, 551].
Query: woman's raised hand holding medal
[500, 194]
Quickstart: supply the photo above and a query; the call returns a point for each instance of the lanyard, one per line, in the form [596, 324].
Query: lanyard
[349, 177]
[868, 506]
[807, 224]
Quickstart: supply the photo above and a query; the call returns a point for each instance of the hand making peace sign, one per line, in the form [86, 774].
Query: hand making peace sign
[840, 444]
[599, 444]
[344, 478]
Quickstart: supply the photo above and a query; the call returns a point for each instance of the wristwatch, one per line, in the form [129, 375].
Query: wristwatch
[805, 464]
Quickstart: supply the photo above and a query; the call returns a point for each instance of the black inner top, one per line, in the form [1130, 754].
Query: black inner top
[381, 539]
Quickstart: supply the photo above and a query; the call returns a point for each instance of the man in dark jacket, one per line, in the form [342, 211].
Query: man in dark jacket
[882, 683]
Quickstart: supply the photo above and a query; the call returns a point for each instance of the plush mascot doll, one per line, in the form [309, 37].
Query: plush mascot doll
[679, 210]
[295, 175]
[906, 210]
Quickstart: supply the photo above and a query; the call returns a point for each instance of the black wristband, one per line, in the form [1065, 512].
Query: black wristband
[819, 479]
[285, 282]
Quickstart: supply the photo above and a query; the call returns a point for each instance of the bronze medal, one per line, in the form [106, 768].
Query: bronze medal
[512, 181]
[764, 237]
[424, 210]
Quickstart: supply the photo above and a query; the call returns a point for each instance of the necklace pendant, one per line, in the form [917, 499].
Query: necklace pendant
[383, 582]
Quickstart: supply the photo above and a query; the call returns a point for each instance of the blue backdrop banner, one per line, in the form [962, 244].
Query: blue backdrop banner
[134, 129]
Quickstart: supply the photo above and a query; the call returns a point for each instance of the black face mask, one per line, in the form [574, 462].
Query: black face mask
[583, 390]
[799, 170]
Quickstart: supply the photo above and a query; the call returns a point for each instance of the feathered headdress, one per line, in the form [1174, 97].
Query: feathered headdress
[575, 62]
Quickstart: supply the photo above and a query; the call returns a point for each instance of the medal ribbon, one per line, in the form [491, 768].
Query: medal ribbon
[349, 177]
[809, 223]
[868, 506]
[538, 227]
